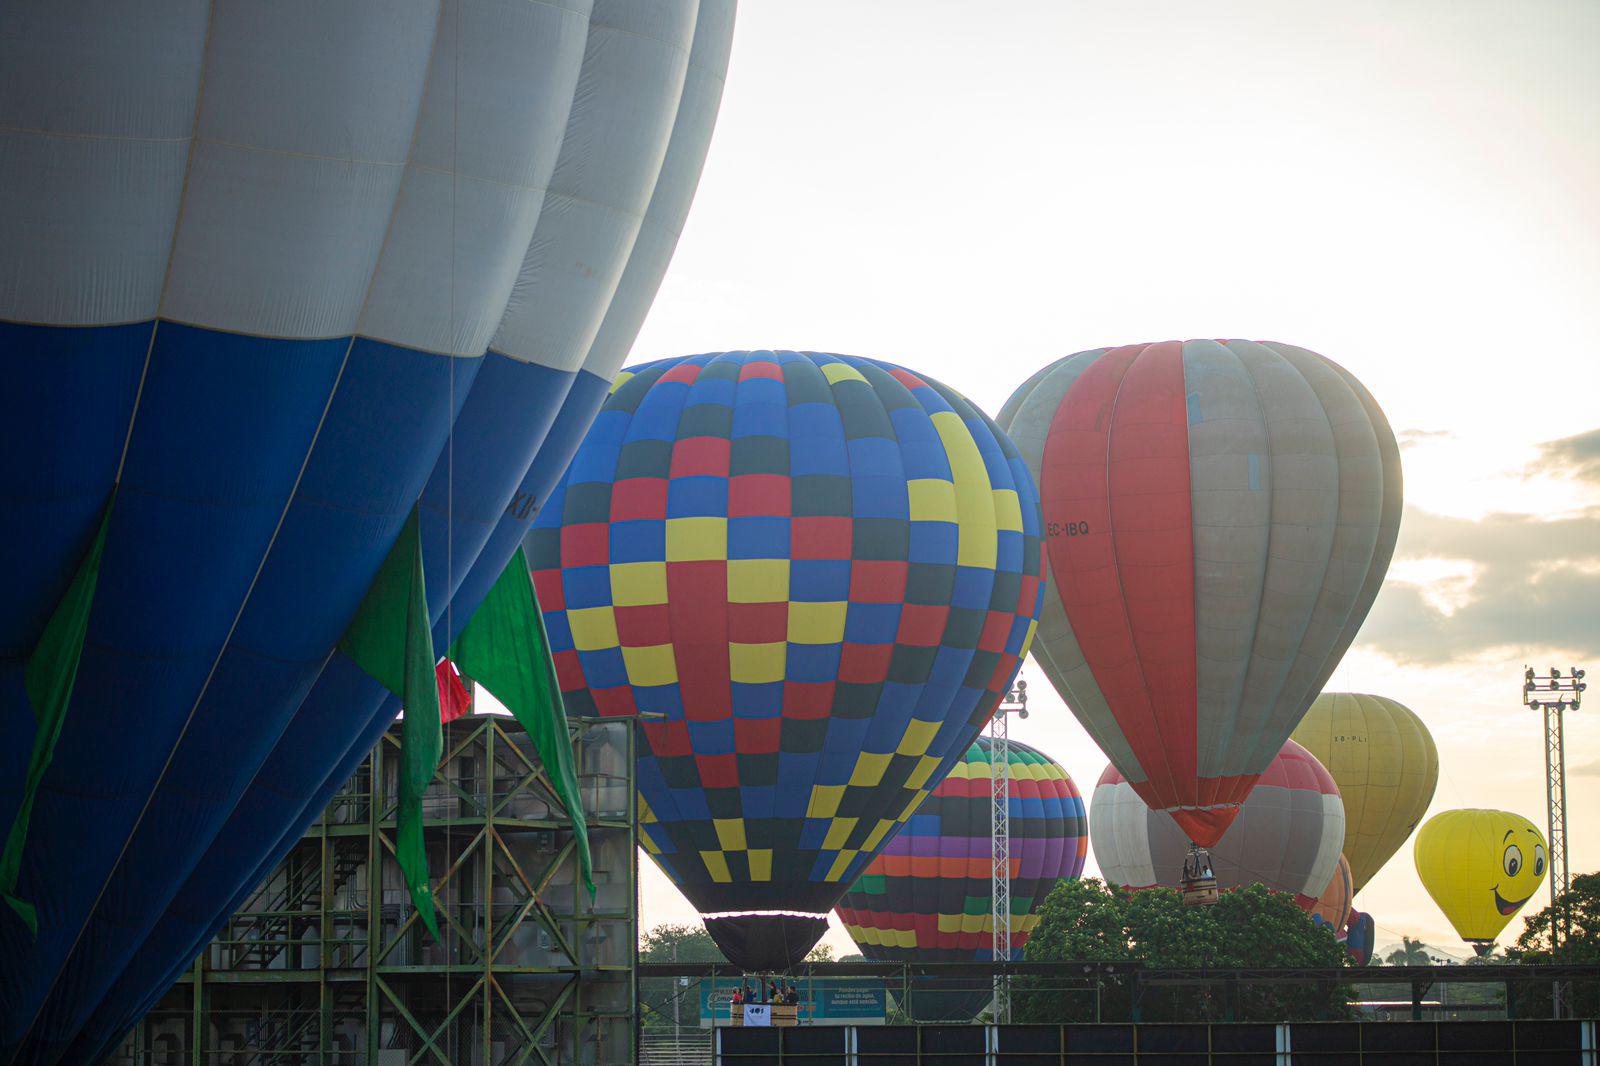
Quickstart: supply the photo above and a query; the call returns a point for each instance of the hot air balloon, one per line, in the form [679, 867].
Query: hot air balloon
[1481, 867]
[928, 897]
[1332, 906]
[1384, 760]
[277, 275]
[821, 572]
[1285, 837]
[1218, 517]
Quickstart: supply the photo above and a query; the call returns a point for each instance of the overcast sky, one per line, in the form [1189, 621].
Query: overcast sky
[1409, 188]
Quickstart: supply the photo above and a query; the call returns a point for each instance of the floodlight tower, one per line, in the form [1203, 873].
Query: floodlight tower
[1015, 702]
[1555, 694]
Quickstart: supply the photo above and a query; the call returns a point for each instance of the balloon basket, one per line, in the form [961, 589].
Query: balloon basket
[1199, 884]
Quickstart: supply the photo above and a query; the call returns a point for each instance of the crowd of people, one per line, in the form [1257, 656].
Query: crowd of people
[773, 992]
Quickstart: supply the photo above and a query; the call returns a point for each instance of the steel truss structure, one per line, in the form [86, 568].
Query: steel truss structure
[329, 964]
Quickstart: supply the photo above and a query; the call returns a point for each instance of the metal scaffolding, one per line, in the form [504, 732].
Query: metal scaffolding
[1015, 702]
[1554, 695]
[328, 963]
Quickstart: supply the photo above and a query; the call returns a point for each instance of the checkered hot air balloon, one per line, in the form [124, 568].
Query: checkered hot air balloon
[1218, 516]
[816, 575]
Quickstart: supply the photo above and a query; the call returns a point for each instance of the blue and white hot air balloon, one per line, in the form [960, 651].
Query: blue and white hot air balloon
[271, 273]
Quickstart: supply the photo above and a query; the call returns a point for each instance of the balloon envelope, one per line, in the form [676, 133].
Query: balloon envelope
[368, 264]
[1481, 867]
[1286, 837]
[1333, 904]
[821, 572]
[1386, 765]
[1219, 516]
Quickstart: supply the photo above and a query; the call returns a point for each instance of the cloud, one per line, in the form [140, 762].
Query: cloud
[1588, 769]
[1576, 457]
[1410, 438]
[1535, 588]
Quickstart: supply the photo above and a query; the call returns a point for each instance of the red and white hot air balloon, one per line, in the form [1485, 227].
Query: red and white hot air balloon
[1219, 516]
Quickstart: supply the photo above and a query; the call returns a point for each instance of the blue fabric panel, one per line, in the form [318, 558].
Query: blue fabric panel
[388, 418]
[223, 426]
[285, 798]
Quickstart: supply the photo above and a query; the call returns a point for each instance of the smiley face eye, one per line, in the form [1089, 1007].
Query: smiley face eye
[1512, 860]
[1538, 860]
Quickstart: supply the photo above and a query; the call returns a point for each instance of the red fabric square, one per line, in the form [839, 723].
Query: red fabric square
[569, 670]
[877, 581]
[639, 497]
[751, 495]
[756, 736]
[547, 583]
[684, 372]
[922, 625]
[906, 378]
[758, 623]
[668, 738]
[586, 544]
[1027, 595]
[645, 626]
[819, 538]
[807, 699]
[761, 368]
[718, 771]
[700, 456]
[614, 702]
[996, 628]
[864, 664]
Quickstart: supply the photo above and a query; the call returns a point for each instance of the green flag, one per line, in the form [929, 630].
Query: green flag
[390, 639]
[52, 670]
[505, 649]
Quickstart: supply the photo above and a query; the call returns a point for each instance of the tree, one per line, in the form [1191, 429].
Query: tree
[1581, 948]
[664, 998]
[1086, 921]
[821, 953]
[1409, 953]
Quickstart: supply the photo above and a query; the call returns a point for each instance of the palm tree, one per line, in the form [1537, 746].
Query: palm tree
[1409, 953]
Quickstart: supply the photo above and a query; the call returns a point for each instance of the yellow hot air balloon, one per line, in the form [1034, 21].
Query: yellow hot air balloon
[1480, 867]
[1384, 762]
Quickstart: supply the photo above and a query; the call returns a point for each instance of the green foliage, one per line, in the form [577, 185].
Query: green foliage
[660, 996]
[1409, 953]
[1581, 948]
[821, 953]
[1086, 921]
[679, 943]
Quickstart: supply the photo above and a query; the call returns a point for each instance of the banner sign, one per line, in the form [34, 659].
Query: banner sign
[823, 1001]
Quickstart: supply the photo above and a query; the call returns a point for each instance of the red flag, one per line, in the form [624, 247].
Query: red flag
[454, 699]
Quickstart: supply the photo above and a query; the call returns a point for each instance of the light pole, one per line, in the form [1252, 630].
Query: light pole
[1015, 702]
[1555, 694]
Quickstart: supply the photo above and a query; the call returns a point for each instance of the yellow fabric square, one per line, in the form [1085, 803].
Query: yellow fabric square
[837, 372]
[758, 580]
[918, 736]
[838, 833]
[923, 771]
[932, 500]
[869, 770]
[696, 539]
[875, 837]
[654, 665]
[760, 864]
[756, 664]
[912, 805]
[638, 584]
[730, 833]
[949, 923]
[977, 544]
[1007, 510]
[593, 628]
[824, 801]
[840, 864]
[817, 623]
[717, 866]
[904, 938]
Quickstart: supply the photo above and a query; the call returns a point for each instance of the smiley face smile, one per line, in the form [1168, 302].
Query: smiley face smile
[1508, 906]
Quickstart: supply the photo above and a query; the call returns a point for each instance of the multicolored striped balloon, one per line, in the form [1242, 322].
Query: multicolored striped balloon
[1219, 516]
[928, 897]
[1286, 837]
[821, 573]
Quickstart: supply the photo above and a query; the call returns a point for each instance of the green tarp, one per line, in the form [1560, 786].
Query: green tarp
[506, 650]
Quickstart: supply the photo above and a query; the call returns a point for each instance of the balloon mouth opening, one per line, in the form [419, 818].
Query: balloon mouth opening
[713, 915]
[1508, 907]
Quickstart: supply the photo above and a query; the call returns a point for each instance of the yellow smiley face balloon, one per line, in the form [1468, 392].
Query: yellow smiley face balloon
[1480, 867]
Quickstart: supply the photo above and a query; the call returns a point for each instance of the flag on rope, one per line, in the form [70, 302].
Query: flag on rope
[391, 640]
[454, 699]
[506, 650]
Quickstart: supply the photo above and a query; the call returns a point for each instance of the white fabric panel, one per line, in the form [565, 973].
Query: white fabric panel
[1304, 481]
[486, 144]
[97, 105]
[306, 117]
[1054, 647]
[674, 190]
[1332, 843]
[622, 117]
[1230, 495]
[1119, 831]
